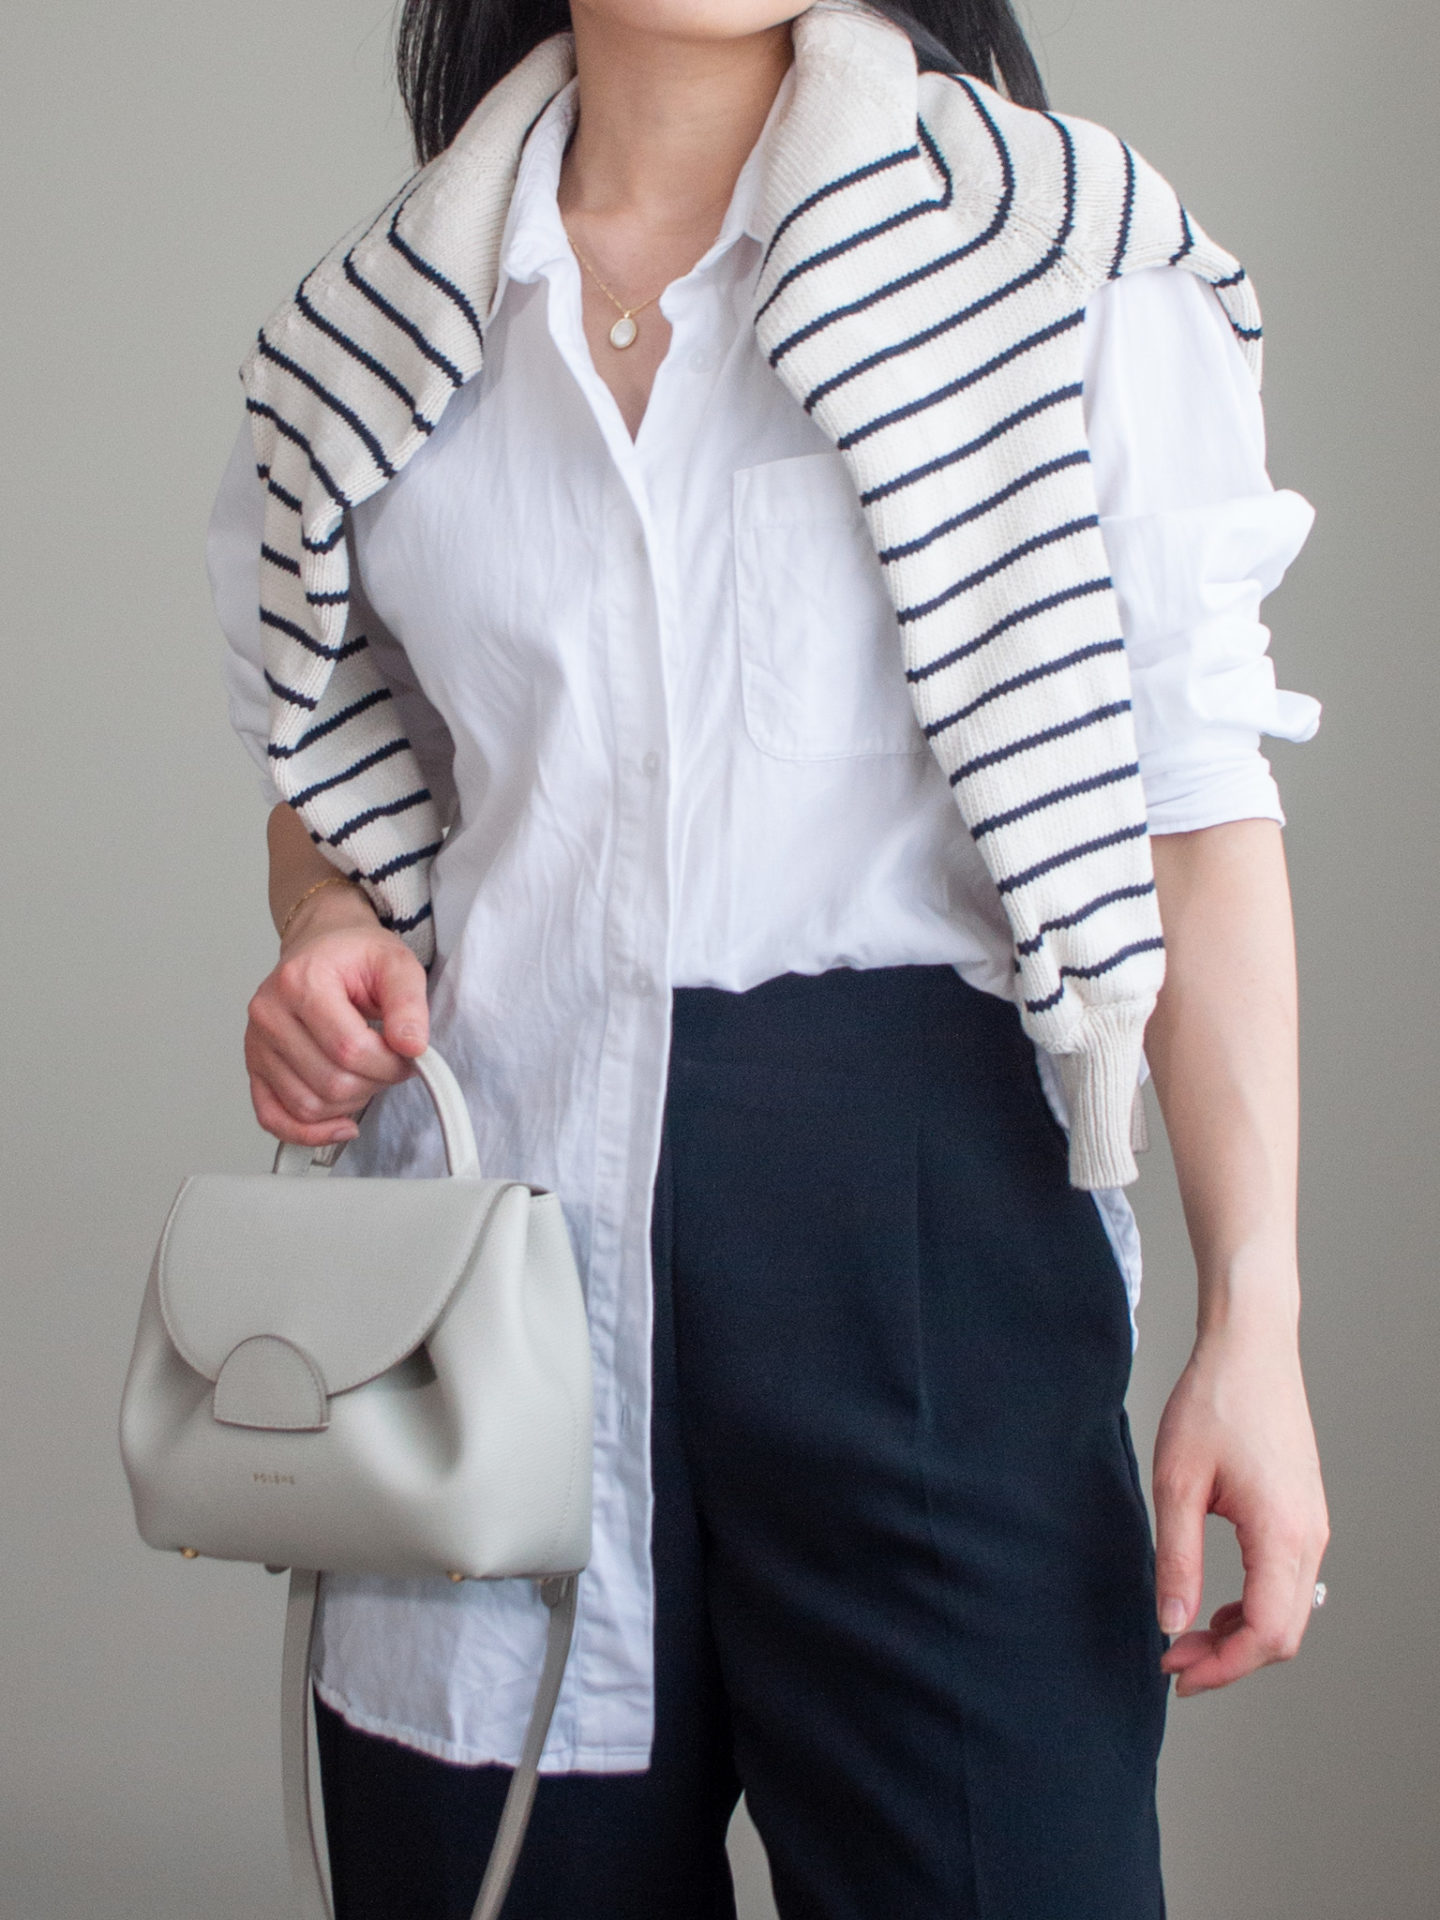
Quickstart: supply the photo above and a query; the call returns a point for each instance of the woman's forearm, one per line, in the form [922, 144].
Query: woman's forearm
[1235, 1438]
[1222, 1047]
[297, 865]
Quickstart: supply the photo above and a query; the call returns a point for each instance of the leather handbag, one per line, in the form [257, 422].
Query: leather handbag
[369, 1375]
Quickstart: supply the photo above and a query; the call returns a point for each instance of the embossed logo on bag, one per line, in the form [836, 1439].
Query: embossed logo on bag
[273, 1479]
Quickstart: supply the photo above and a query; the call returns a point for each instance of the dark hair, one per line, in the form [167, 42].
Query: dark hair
[451, 52]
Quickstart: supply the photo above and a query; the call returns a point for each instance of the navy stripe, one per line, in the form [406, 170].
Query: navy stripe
[952, 387]
[525, 137]
[368, 439]
[339, 598]
[281, 560]
[986, 439]
[997, 140]
[292, 630]
[403, 805]
[1126, 214]
[848, 245]
[1109, 778]
[293, 434]
[1028, 678]
[285, 498]
[1153, 945]
[1050, 1000]
[433, 274]
[1059, 731]
[366, 359]
[1187, 241]
[1246, 333]
[926, 334]
[867, 172]
[1078, 852]
[329, 543]
[340, 719]
[922, 609]
[406, 326]
[404, 860]
[288, 694]
[1101, 900]
[1033, 478]
[1014, 618]
[1067, 224]
[1232, 280]
[363, 765]
[407, 926]
[340, 653]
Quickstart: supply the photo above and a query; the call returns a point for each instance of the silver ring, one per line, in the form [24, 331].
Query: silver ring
[1322, 1594]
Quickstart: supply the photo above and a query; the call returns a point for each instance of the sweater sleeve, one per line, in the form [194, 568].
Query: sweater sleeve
[232, 555]
[1196, 536]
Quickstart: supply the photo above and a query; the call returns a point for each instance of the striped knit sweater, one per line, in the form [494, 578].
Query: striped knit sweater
[931, 249]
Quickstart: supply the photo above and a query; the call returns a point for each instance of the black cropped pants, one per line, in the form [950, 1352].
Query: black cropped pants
[904, 1578]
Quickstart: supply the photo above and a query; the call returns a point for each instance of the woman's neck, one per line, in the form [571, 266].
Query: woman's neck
[666, 123]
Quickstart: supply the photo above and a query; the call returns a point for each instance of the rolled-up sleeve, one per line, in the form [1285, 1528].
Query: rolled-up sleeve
[232, 558]
[1197, 536]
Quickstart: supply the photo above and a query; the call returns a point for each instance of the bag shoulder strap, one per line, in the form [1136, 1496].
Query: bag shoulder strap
[559, 1595]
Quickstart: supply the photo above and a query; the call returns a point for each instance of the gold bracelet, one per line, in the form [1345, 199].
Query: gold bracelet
[330, 880]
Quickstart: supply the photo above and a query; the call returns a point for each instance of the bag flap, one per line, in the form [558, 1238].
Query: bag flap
[354, 1273]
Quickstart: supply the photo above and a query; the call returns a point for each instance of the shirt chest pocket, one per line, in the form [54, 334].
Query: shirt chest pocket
[821, 674]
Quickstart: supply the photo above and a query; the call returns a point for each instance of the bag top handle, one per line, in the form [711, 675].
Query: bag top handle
[462, 1157]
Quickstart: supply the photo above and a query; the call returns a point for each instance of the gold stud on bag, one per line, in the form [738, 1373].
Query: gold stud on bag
[369, 1376]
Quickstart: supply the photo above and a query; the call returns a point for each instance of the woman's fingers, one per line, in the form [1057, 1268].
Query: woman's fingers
[1267, 1624]
[335, 985]
[1181, 1503]
[315, 1099]
[1236, 1440]
[328, 989]
[301, 1074]
[276, 1118]
[400, 1001]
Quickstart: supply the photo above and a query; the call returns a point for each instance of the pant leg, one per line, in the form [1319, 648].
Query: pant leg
[409, 1835]
[903, 1351]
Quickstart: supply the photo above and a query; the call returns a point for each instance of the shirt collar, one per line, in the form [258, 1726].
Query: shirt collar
[535, 241]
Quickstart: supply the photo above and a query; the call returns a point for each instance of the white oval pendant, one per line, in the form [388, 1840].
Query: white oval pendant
[623, 333]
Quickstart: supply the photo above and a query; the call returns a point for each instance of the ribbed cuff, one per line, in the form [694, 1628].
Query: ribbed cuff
[1100, 1079]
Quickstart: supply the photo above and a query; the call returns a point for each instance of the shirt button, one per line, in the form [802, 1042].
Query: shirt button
[644, 983]
[701, 361]
[650, 765]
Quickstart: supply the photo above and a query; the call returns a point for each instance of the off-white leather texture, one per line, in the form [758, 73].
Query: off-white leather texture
[443, 1323]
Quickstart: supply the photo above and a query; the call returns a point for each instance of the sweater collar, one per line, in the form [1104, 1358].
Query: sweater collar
[454, 214]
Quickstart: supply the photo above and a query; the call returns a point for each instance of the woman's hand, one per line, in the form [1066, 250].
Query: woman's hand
[1236, 1440]
[314, 1060]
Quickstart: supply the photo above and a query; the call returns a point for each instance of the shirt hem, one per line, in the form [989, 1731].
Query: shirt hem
[568, 1757]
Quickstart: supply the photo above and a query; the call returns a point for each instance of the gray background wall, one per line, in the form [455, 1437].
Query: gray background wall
[171, 166]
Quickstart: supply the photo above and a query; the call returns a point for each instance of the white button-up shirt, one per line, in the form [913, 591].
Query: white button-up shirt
[659, 684]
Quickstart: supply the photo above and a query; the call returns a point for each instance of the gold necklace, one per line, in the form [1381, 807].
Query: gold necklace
[624, 332]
